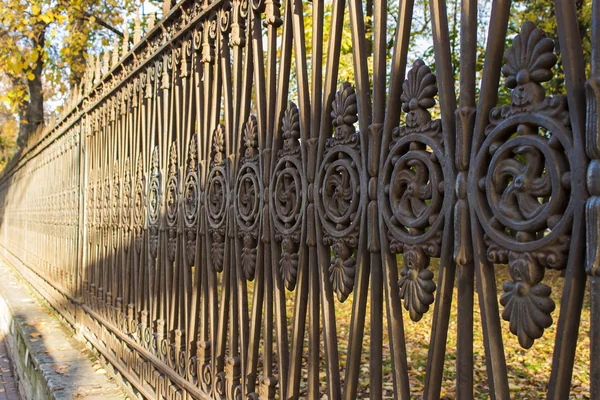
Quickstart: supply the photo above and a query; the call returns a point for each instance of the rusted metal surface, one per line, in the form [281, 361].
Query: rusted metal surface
[213, 194]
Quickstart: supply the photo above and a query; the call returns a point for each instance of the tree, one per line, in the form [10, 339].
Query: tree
[44, 46]
[44, 43]
[23, 30]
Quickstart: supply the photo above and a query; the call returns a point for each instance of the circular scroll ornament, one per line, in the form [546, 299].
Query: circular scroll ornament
[126, 194]
[154, 199]
[115, 205]
[520, 184]
[248, 184]
[413, 202]
[190, 187]
[115, 197]
[248, 198]
[172, 202]
[288, 184]
[287, 196]
[217, 200]
[139, 203]
[106, 207]
[523, 182]
[340, 192]
[191, 196]
[172, 195]
[413, 182]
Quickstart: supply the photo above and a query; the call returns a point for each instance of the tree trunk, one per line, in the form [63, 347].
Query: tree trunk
[23, 128]
[17, 81]
[78, 59]
[35, 109]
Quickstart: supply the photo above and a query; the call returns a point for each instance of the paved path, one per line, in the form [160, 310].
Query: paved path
[61, 366]
[8, 386]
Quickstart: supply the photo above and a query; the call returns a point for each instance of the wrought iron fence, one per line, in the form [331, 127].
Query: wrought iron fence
[201, 230]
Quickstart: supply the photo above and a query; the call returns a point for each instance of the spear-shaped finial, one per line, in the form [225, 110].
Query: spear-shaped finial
[89, 73]
[106, 62]
[68, 103]
[137, 28]
[72, 97]
[98, 76]
[166, 7]
[125, 40]
[151, 21]
[115, 54]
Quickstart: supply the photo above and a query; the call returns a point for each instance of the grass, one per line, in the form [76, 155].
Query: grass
[528, 370]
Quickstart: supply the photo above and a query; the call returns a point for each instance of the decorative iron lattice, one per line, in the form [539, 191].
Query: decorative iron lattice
[211, 197]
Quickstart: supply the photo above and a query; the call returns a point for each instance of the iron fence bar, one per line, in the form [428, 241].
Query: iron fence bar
[592, 218]
[575, 277]
[463, 253]
[486, 286]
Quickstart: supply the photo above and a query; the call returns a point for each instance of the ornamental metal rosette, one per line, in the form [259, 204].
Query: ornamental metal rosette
[288, 189]
[520, 184]
[191, 201]
[413, 183]
[127, 197]
[248, 195]
[339, 199]
[154, 199]
[139, 205]
[217, 201]
[172, 202]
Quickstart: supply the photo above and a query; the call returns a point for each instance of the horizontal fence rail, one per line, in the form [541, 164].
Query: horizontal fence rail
[212, 199]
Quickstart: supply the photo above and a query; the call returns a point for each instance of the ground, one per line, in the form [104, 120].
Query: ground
[529, 370]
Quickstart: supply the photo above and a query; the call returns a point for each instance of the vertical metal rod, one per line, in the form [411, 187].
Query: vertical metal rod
[575, 279]
[465, 119]
[441, 317]
[390, 273]
[593, 203]
[486, 282]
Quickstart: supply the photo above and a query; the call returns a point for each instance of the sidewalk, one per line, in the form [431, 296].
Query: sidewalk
[8, 387]
[47, 362]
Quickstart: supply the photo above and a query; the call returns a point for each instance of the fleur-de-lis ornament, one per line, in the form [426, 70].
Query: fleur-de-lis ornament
[529, 62]
[419, 90]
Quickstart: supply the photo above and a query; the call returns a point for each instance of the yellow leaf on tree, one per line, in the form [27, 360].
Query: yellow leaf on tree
[30, 76]
[92, 19]
[35, 9]
[46, 18]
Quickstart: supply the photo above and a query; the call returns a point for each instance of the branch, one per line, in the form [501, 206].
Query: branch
[102, 23]
[97, 20]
